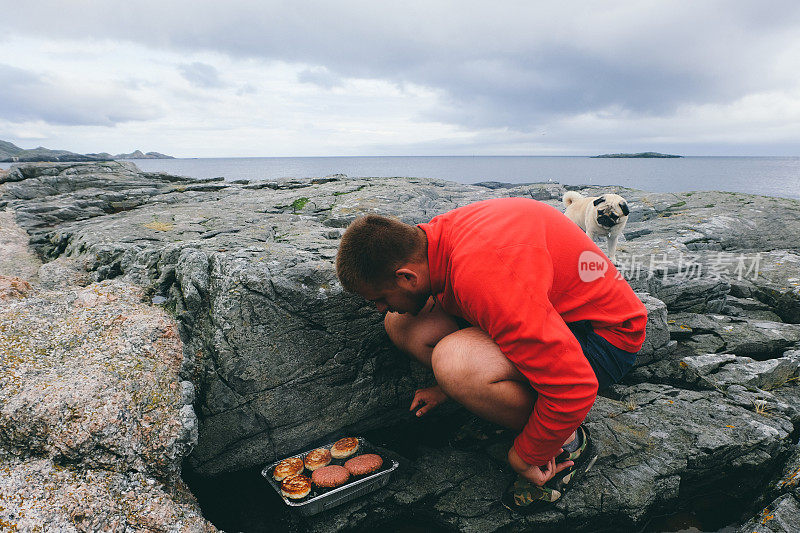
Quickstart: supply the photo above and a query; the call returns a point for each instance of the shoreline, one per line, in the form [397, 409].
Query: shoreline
[243, 275]
[770, 176]
[253, 170]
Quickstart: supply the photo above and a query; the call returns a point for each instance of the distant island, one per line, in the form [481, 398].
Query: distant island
[640, 154]
[11, 153]
[136, 154]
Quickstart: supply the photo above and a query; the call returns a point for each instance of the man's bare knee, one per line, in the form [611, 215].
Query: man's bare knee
[401, 332]
[393, 323]
[417, 335]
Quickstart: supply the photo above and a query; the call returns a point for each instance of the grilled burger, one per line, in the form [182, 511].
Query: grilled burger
[296, 487]
[318, 458]
[344, 447]
[287, 468]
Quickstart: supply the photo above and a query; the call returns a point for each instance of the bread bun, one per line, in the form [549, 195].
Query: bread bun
[330, 476]
[287, 468]
[344, 447]
[364, 464]
[318, 458]
[296, 487]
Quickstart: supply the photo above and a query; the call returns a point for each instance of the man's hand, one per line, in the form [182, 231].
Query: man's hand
[533, 473]
[427, 399]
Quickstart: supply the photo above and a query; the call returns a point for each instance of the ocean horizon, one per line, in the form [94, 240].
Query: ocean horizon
[764, 175]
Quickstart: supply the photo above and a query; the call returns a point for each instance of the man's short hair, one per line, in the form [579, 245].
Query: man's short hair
[373, 247]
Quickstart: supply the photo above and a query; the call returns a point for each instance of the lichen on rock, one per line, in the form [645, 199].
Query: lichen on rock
[93, 418]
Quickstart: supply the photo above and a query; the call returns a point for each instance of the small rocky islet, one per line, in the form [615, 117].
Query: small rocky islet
[156, 329]
[638, 155]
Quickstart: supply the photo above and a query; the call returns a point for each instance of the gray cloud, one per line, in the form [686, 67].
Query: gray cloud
[201, 75]
[247, 88]
[515, 65]
[319, 76]
[27, 96]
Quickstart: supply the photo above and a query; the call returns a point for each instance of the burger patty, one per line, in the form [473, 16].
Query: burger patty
[344, 447]
[364, 464]
[318, 458]
[296, 487]
[287, 468]
[330, 476]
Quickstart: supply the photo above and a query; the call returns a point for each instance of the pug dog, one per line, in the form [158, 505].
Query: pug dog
[598, 215]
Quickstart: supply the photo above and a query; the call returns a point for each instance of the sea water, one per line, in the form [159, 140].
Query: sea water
[771, 176]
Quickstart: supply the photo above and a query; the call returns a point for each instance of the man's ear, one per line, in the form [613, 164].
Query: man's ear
[406, 277]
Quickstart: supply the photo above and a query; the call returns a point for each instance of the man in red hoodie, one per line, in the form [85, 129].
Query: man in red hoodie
[519, 314]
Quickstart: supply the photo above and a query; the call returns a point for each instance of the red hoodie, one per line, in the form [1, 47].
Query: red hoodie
[513, 267]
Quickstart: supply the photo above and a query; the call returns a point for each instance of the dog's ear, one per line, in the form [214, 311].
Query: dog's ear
[624, 207]
[599, 200]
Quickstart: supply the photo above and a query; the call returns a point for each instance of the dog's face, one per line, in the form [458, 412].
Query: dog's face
[611, 209]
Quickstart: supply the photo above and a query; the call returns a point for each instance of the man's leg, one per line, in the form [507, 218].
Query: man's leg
[468, 365]
[472, 370]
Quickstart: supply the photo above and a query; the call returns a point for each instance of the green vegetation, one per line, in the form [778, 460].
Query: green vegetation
[348, 192]
[298, 204]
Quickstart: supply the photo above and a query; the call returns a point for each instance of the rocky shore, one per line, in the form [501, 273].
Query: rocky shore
[200, 323]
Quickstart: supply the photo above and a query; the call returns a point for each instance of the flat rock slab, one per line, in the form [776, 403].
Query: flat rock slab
[16, 258]
[747, 337]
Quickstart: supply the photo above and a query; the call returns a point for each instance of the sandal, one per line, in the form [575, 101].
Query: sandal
[584, 458]
[525, 497]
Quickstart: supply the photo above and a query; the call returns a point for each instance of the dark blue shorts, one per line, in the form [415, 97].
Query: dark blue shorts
[610, 364]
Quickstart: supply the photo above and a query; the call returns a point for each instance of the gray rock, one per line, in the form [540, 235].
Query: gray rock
[89, 379]
[658, 445]
[749, 308]
[759, 339]
[781, 516]
[248, 271]
[721, 370]
[693, 294]
[39, 495]
[46, 195]
[778, 283]
[657, 336]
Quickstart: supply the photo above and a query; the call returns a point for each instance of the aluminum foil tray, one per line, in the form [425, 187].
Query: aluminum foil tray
[322, 499]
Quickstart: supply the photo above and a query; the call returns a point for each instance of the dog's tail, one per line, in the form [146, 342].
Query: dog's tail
[571, 196]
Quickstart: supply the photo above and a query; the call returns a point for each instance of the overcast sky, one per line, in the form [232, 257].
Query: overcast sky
[293, 78]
